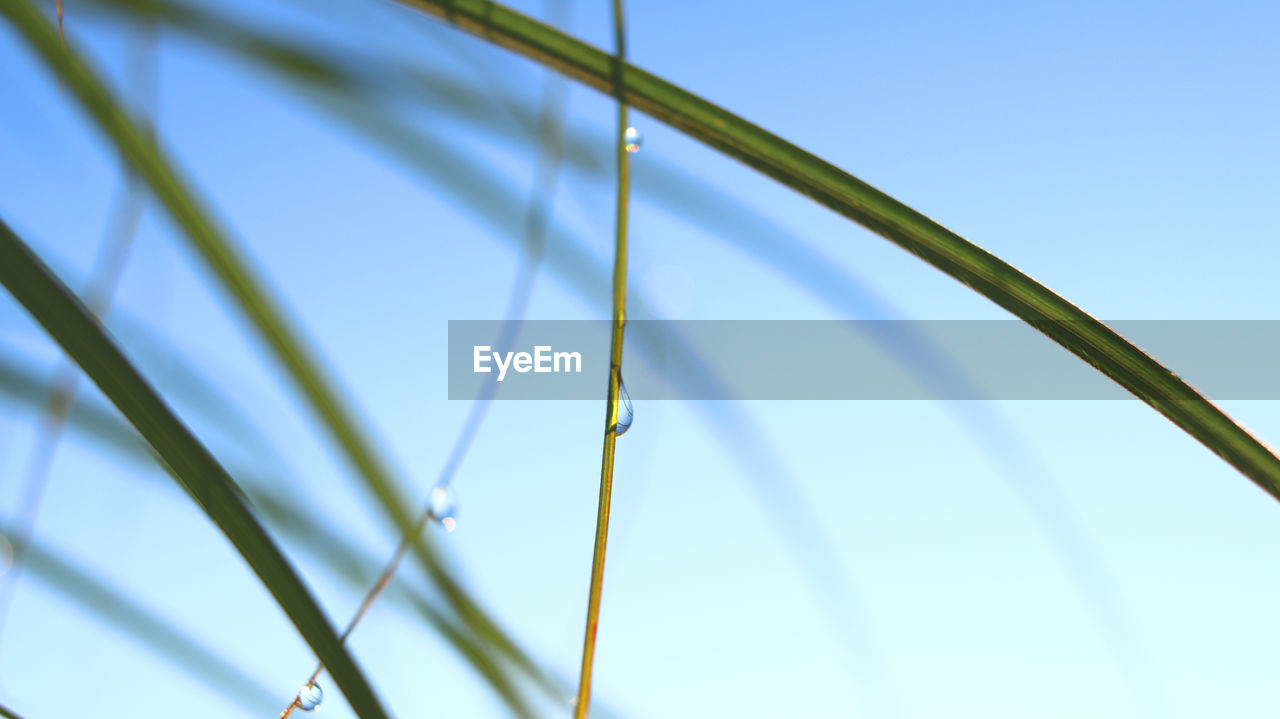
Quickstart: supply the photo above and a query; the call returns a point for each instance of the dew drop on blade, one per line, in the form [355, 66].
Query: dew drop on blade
[625, 411]
[632, 139]
[310, 696]
[444, 509]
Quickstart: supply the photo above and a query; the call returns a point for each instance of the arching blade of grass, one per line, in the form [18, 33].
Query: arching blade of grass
[71, 326]
[8, 713]
[995, 279]
[114, 608]
[250, 293]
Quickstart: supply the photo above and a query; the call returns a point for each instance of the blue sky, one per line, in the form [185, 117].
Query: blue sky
[1123, 154]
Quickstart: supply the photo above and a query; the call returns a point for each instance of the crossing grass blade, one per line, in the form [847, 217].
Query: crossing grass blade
[80, 336]
[990, 276]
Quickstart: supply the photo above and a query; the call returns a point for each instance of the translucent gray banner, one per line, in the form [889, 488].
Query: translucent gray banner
[843, 360]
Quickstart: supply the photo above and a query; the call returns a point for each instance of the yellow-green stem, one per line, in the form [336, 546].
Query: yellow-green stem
[583, 703]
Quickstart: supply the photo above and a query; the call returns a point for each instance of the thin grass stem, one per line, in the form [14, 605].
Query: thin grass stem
[583, 702]
[388, 573]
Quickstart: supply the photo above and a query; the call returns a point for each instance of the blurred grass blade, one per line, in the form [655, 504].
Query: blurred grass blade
[26, 387]
[70, 325]
[995, 279]
[550, 137]
[535, 230]
[8, 713]
[108, 268]
[125, 615]
[315, 536]
[250, 293]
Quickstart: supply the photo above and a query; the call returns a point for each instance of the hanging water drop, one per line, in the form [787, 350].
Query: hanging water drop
[625, 412]
[632, 140]
[444, 509]
[310, 696]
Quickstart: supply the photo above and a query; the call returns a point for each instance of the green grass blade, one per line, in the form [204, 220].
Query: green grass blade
[995, 279]
[262, 310]
[71, 326]
[8, 713]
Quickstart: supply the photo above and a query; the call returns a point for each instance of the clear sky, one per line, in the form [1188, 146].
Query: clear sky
[895, 559]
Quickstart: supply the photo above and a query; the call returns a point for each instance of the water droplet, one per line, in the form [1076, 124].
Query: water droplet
[444, 509]
[632, 139]
[625, 411]
[310, 696]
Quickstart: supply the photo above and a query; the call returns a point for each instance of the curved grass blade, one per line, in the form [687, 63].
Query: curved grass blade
[70, 325]
[127, 616]
[261, 308]
[8, 713]
[993, 278]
